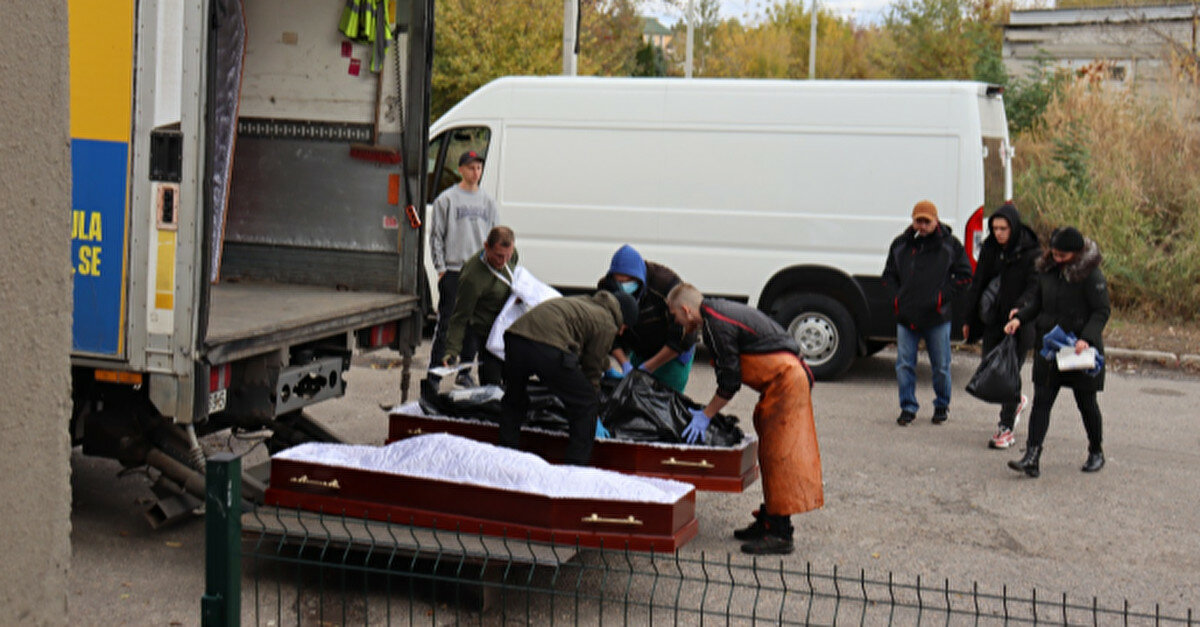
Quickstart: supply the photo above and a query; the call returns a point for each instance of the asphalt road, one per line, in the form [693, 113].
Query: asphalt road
[923, 500]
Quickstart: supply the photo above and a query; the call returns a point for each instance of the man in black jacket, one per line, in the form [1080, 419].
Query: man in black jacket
[926, 268]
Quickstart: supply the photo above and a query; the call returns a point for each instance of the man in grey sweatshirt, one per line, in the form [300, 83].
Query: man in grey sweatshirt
[459, 223]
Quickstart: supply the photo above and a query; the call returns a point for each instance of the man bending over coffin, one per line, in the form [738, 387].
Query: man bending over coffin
[565, 342]
[748, 347]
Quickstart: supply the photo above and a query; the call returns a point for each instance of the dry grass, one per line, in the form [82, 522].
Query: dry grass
[1126, 171]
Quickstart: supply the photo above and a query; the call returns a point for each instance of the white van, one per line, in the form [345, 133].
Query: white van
[782, 194]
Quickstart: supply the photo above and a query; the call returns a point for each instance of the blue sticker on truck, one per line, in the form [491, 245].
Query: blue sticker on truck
[98, 195]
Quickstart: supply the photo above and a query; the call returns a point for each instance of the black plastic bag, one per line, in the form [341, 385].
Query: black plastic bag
[998, 379]
[643, 409]
[637, 408]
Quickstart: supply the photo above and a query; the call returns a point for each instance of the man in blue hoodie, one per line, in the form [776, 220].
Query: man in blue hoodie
[656, 344]
[926, 269]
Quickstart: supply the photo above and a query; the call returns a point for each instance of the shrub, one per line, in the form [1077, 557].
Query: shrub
[1126, 171]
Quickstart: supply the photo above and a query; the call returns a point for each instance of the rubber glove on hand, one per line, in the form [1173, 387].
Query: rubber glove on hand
[614, 373]
[697, 428]
[601, 432]
[626, 368]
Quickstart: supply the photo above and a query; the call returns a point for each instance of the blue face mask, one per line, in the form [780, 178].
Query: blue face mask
[629, 287]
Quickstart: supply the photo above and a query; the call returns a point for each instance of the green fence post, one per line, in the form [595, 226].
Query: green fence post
[221, 604]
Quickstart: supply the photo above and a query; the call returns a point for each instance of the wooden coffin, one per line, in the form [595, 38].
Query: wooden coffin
[483, 510]
[715, 469]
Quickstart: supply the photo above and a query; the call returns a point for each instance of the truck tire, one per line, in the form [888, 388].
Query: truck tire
[824, 330]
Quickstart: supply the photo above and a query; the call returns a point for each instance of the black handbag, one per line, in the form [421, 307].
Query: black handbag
[987, 301]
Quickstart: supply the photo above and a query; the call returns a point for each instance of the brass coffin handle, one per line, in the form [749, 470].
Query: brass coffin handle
[596, 519]
[700, 464]
[332, 484]
[416, 431]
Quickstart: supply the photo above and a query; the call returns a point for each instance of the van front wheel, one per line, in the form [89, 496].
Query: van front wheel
[824, 330]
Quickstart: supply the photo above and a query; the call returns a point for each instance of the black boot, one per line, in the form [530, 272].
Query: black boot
[777, 539]
[1029, 463]
[756, 529]
[1095, 460]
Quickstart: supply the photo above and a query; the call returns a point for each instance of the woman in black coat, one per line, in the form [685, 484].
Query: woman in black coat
[1070, 292]
[1007, 257]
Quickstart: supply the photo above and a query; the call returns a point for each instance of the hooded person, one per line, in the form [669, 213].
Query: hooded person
[656, 344]
[1003, 273]
[565, 342]
[1069, 292]
[750, 348]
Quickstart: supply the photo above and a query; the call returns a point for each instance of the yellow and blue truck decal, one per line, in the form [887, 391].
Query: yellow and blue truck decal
[101, 35]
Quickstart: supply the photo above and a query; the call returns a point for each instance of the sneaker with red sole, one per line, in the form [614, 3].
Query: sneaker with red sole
[1004, 438]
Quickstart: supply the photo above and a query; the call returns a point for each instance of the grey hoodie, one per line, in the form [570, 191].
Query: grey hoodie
[458, 225]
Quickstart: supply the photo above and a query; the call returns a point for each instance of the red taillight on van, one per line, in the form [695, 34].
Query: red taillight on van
[973, 236]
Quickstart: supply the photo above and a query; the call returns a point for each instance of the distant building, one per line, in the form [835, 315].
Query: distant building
[1136, 44]
[655, 33]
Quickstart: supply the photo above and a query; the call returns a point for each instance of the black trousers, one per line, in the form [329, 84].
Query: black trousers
[1044, 395]
[491, 367]
[560, 372]
[447, 293]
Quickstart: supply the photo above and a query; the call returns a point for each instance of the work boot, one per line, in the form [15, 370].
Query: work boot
[1029, 463]
[776, 539]
[1095, 460]
[756, 529]
[905, 418]
[940, 414]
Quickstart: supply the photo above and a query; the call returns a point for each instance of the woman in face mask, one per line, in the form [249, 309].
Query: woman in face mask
[656, 344]
[1069, 293]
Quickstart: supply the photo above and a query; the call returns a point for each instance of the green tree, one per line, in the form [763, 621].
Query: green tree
[956, 39]
[480, 40]
[650, 61]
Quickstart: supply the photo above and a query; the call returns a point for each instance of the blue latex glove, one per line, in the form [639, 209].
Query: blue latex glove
[601, 432]
[614, 373]
[626, 368]
[643, 367]
[686, 356]
[697, 428]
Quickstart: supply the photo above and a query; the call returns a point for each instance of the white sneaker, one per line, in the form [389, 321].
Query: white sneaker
[1004, 438]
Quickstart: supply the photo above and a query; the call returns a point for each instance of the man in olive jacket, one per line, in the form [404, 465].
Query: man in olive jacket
[565, 342]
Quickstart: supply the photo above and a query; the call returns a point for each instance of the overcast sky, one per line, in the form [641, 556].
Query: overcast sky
[747, 11]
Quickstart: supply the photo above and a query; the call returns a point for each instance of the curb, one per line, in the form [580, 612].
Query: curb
[1163, 358]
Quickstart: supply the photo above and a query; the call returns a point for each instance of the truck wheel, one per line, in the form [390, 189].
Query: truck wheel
[824, 330]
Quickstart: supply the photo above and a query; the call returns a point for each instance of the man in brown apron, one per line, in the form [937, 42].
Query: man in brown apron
[748, 347]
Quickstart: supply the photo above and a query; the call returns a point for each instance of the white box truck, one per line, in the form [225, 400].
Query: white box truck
[238, 221]
[783, 194]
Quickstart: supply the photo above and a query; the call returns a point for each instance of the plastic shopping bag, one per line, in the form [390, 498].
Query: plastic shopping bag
[998, 379]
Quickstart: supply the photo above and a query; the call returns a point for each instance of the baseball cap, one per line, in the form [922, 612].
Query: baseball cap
[468, 157]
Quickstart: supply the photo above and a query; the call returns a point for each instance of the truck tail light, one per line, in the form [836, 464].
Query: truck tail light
[219, 377]
[380, 335]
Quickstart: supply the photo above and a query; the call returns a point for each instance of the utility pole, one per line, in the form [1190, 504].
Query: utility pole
[812, 43]
[570, 37]
[691, 17]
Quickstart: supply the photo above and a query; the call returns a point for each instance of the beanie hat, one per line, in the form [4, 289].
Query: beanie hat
[1068, 239]
[629, 308]
[925, 209]
[627, 260]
